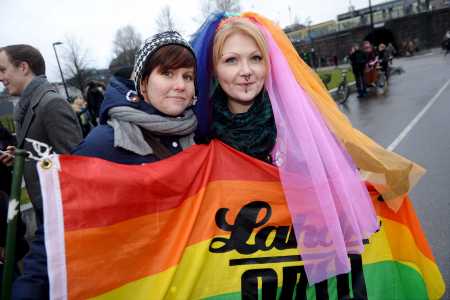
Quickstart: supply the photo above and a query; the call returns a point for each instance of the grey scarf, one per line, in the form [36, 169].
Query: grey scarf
[126, 122]
[25, 99]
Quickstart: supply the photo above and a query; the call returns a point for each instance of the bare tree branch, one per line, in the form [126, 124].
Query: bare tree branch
[165, 21]
[209, 6]
[76, 62]
[125, 45]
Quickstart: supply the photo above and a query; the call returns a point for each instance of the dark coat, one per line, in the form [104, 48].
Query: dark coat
[100, 141]
[94, 98]
[50, 120]
[6, 139]
[358, 60]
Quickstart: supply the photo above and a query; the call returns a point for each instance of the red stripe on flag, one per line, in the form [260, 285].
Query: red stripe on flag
[96, 192]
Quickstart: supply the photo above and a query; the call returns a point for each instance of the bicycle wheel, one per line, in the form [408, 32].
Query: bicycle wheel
[381, 84]
[342, 93]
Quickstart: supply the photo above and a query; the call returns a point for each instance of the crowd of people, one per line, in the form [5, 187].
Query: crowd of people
[365, 60]
[233, 83]
[87, 106]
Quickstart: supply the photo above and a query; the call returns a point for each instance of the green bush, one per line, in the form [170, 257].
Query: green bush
[336, 77]
[326, 78]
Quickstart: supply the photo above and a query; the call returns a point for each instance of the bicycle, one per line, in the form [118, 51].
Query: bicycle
[343, 90]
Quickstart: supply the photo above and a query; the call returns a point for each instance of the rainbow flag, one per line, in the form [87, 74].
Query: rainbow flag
[208, 223]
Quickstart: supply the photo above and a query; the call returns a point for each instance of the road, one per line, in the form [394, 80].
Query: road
[418, 100]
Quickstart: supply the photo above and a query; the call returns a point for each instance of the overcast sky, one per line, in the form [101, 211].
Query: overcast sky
[94, 22]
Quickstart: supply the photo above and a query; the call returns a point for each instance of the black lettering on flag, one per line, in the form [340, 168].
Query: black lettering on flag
[322, 290]
[249, 284]
[245, 224]
[251, 219]
[358, 281]
[264, 260]
[290, 282]
[343, 288]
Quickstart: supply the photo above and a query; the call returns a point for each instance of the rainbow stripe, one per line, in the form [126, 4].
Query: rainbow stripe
[209, 223]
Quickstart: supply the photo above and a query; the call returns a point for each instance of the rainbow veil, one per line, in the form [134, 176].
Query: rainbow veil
[318, 154]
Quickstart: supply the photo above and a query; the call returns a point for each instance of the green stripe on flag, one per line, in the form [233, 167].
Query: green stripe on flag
[385, 281]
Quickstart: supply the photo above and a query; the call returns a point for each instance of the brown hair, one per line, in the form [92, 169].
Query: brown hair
[167, 58]
[243, 26]
[26, 53]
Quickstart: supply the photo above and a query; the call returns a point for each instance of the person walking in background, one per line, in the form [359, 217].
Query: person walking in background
[390, 52]
[94, 97]
[43, 115]
[335, 61]
[411, 48]
[358, 60]
[79, 106]
[370, 72]
[383, 60]
[446, 42]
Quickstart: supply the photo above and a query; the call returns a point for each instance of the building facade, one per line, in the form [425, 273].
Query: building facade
[313, 31]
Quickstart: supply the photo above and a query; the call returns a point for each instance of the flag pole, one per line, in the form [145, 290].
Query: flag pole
[13, 212]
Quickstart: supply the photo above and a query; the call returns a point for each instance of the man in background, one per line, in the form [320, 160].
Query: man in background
[358, 61]
[43, 115]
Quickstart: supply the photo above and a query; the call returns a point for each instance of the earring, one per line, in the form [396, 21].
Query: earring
[194, 100]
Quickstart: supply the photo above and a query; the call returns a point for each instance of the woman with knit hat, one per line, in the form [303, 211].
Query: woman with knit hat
[141, 121]
[150, 118]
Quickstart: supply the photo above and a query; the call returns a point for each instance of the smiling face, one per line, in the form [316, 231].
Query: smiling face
[169, 91]
[14, 78]
[241, 71]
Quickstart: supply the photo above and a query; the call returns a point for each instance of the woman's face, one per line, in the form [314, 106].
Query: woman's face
[170, 92]
[241, 71]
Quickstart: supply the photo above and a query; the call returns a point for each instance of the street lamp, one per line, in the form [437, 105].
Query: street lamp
[59, 66]
[371, 15]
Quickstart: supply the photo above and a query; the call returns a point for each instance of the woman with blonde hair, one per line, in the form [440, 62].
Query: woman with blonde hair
[258, 96]
[242, 115]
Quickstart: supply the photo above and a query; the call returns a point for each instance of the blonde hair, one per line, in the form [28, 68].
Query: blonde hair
[239, 25]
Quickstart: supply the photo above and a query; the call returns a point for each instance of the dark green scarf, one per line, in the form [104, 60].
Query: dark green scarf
[252, 132]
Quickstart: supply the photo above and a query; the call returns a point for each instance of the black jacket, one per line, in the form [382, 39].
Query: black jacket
[6, 139]
[358, 59]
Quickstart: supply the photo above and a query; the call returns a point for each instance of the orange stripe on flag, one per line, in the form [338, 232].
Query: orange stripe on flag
[406, 216]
